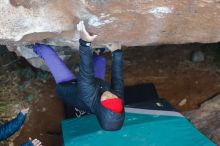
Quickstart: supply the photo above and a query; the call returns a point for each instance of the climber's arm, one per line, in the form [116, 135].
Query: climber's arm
[117, 81]
[86, 74]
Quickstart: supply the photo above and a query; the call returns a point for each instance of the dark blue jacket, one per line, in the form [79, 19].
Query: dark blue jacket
[90, 89]
[85, 93]
[8, 129]
[11, 127]
[29, 143]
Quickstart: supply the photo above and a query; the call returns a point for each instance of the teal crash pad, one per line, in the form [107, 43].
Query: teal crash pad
[138, 130]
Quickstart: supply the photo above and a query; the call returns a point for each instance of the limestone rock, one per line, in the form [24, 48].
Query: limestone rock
[207, 118]
[139, 22]
[132, 22]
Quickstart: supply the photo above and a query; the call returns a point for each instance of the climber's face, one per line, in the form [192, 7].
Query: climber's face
[108, 95]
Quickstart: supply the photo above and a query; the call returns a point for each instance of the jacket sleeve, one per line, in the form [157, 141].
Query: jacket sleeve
[117, 81]
[86, 74]
[29, 143]
[11, 127]
[86, 81]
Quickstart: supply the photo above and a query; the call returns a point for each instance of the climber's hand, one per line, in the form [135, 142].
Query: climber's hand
[84, 35]
[114, 46]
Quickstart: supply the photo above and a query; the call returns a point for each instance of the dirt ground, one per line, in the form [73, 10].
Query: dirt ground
[46, 114]
[174, 75]
[168, 67]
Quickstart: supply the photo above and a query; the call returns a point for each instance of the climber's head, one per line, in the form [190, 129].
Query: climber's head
[112, 102]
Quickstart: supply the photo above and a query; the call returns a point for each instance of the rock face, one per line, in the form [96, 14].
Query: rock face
[133, 22]
[139, 22]
[207, 118]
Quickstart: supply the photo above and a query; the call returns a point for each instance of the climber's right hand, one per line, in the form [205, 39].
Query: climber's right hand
[114, 46]
[84, 34]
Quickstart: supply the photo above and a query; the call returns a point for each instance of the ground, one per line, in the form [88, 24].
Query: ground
[169, 67]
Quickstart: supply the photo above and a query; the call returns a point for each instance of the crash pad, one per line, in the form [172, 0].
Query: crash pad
[140, 129]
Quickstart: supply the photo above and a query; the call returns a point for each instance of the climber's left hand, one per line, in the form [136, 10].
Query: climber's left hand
[84, 34]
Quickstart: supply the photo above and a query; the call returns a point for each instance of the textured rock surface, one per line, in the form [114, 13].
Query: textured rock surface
[139, 22]
[207, 118]
[133, 22]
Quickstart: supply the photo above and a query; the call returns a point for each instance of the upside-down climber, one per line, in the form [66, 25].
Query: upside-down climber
[89, 92]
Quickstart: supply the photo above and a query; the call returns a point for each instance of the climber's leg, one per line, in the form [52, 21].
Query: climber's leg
[57, 67]
[99, 66]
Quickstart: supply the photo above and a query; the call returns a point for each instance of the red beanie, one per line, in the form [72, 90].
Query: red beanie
[114, 104]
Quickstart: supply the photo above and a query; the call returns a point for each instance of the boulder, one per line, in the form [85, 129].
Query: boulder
[207, 118]
[197, 56]
[132, 22]
[139, 22]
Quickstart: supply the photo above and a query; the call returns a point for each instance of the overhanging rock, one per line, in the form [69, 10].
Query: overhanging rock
[139, 22]
[132, 22]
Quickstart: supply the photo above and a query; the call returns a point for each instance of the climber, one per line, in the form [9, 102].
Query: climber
[89, 92]
[8, 129]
